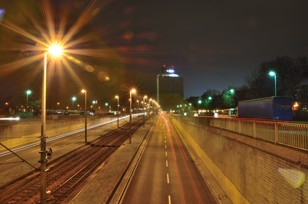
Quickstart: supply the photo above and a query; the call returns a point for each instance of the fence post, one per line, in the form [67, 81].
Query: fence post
[276, 133]
[254, 129]
[239, 127]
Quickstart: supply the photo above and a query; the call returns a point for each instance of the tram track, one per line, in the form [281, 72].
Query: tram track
[68, 172]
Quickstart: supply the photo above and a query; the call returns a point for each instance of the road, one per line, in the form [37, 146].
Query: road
[166, 172]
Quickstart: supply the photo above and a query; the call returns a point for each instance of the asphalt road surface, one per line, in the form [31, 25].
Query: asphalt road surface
[166, 172]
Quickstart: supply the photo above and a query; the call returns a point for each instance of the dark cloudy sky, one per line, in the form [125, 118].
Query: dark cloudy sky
[213, 44]
[217, 44]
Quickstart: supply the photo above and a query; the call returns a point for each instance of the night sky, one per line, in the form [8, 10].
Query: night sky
[212, 44]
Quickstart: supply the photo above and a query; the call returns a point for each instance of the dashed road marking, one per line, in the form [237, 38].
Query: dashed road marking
[169, 199]
[168, 181]
[167, 163]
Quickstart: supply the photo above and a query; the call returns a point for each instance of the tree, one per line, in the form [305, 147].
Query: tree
[290, 74]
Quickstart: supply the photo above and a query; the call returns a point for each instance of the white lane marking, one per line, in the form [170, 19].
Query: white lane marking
[165, 146]
[167, 164]
[166, 153]
[169, 199]
[168, 181]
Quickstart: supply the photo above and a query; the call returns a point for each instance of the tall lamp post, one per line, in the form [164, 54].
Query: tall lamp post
[118, 98]
[85, 116]
[54, 50]
[28, 92]
[273, 74]
[144, 108]
[132, 91]
[232, 92]
[73, 101]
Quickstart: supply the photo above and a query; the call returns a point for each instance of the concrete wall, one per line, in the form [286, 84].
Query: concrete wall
[248, 170]
[13, 134]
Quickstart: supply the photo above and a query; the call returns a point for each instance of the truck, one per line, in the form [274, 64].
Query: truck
[275, 108]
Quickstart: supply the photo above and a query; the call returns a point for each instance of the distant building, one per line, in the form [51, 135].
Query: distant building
[170, 88]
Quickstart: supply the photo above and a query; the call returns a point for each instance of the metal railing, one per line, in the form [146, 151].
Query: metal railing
[279, 132]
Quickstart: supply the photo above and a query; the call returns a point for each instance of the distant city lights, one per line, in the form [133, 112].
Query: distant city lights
[170, 70]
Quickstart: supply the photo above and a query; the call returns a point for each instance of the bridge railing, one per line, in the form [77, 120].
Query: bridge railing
[284, 133]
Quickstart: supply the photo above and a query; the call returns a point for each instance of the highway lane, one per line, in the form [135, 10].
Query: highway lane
[166, 172]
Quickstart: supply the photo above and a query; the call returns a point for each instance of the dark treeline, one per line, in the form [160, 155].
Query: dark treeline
[291, 74]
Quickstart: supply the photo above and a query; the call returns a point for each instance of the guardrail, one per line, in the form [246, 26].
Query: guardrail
[278, 132]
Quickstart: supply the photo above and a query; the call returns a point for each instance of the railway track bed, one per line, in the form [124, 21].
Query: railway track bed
[69, 172]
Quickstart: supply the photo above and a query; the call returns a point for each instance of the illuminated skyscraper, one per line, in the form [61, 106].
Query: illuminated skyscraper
[170, 88]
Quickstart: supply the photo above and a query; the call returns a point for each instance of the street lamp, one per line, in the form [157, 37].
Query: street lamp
[144, 98]
[54, 50]
[28, 92]
[118, 98]
[273, 74]
[144, 108]
[232, 91]
[73, 100]
[85, 115]
[132, 91]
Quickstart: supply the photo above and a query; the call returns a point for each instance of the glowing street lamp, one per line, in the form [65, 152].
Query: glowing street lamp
[232, 92]
[85, 115]
[132, 91]
[273, 74]
[73, 100]
[118, 98]
[28, 92]
[144, 98]
[54, 50]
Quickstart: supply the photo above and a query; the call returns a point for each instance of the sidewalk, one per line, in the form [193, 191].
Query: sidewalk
[102, 182]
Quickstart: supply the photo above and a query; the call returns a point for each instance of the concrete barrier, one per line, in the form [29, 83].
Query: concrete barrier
[249, 170]
[14, 134]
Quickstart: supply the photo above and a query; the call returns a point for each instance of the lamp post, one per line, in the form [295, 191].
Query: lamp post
[85, 116]
[144, 108]
[118, 98]
[232, 92]
[144, 98]
[132, 91]
[273, 74]
[73, 100]
[54, 50]
[28, 92]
